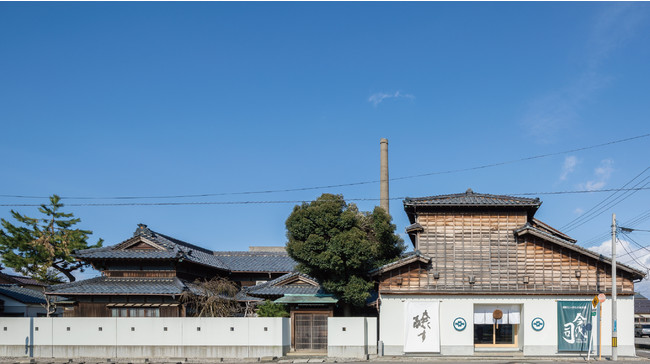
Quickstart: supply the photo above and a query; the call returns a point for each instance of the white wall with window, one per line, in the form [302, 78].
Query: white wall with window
[466, 324]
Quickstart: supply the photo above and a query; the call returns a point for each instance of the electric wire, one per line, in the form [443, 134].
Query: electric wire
[269, 202]
[577, 219]
[631, 255]
[603, 205]
[490, 165]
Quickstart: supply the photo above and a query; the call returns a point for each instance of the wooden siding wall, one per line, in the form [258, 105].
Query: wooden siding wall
[483, 245]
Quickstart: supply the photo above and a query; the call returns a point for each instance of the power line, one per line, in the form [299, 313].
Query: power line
[636, 220]
[632, 255]
[598, 209]
[268, 202]
[342, 184]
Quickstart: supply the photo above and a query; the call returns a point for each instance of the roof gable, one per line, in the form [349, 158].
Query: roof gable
[138, 243]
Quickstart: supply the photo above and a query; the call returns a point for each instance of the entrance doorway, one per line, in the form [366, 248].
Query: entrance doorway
[496, 326]
[311, 331]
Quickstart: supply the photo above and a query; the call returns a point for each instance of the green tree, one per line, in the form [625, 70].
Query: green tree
[42, 248]
[272, 309]
[336, 244]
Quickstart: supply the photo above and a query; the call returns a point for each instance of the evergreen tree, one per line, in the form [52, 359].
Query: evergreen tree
[272, 309]
[42, 248]
[336, 244]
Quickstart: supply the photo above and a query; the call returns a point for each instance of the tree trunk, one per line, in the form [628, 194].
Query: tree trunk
[347, 310]
[67, 273]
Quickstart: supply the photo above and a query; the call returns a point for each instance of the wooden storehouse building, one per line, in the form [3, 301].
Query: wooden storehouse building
[145, 275]
[486, 275]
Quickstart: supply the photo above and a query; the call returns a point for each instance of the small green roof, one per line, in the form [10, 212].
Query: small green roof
[307, 298]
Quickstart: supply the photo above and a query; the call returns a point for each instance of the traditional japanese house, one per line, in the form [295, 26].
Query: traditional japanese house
[309, 306]
[486, 275]
[144, 275]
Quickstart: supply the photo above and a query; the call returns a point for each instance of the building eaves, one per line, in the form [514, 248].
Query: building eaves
[409, 258]
[471, 198]
[20, 294]
[542, 234]
[120, 286]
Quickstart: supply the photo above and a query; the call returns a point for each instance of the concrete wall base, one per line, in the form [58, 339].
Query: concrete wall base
[346, 351]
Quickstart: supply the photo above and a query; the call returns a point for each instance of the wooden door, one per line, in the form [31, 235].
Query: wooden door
[310, 331]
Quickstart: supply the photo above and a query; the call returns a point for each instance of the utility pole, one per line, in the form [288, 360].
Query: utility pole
[614, 329]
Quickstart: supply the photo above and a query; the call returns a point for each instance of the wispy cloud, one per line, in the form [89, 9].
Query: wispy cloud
[578, 211]
[569, 166]
[602, 173]
[559, 109]
[377, 98]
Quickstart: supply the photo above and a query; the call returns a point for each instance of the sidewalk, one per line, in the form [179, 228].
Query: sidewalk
[312, 359]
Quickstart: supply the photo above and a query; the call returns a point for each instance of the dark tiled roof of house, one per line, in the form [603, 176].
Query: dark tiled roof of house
[471, 198]
[257, 261]
[121, 286]
[169, 248]
[20, 280]
[551, 236]
[641, 305]
[405, 259]
[276, 288]
[20, 294]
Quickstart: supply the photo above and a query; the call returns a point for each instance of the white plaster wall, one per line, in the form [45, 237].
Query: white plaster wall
[371, 341]
[351, 337]
[453, 342]
[83, 331]
[354, 334]
[144, 337]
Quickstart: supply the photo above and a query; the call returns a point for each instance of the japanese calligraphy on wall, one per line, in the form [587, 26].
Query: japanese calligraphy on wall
[421, 323]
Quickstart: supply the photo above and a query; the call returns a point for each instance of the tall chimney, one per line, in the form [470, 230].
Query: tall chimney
[383, 179]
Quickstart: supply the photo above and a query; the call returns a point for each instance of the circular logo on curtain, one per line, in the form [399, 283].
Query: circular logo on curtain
[537, 324]
[460, 324]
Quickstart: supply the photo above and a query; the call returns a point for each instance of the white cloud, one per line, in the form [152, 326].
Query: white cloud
[578, 211]
[602, 173]
[377, 98]
[639, 259]
[569, 166]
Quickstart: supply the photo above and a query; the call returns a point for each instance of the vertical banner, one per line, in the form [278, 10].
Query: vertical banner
[422, 327]
[573, 325]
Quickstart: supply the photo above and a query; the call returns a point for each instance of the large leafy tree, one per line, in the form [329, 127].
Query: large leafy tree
[42, 247]
[337, 244]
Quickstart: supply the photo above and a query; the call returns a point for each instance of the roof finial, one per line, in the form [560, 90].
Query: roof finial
[469, 191]
[142, 230]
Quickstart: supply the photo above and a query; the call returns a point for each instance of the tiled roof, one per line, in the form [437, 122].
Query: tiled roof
[307, 298]
[641, 305]
[544, 226]
[121, 286]
[257, 261]
[405, 259]
[470, 198]
[20, 280]
[275, 288]
[570, 244]
[24, 295]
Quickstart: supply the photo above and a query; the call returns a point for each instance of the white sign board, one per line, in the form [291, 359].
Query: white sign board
[422, 325]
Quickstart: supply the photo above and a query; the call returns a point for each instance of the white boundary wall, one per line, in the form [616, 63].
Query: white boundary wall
[531, 342]
[144, 337]
[351, 337]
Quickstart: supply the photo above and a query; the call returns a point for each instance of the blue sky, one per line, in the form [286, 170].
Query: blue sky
[159, 99]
